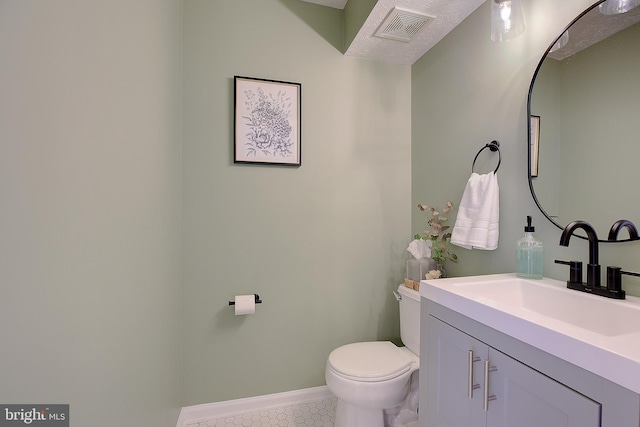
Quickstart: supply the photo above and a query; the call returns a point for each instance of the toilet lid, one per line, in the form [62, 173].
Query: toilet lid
[369, 361]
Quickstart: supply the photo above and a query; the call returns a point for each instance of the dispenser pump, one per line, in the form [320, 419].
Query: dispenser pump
[529, 228]
[529, 254]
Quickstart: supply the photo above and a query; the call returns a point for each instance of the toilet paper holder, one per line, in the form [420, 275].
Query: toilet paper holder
[258, 300]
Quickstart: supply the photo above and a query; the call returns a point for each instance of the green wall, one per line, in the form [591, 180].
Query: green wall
[355, 15]
[324, 244]
[120, 244]
[467, 91]
[90, 208]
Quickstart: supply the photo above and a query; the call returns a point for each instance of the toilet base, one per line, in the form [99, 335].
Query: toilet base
[349, 415]
[403, 415]
[406, 415]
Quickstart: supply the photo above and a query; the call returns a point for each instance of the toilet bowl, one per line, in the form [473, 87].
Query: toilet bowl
[369, 378]
[376, 382]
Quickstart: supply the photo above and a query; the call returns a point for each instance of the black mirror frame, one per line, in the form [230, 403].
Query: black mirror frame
[529, 159]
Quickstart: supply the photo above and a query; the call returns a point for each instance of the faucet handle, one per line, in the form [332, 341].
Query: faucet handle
[614, 278]
[575, 270]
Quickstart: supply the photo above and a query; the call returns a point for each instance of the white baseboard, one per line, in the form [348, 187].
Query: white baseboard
[192, 414]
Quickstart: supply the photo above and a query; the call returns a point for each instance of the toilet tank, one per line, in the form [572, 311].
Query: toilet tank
[410, 318]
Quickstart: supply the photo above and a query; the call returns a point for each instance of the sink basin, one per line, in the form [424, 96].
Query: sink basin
[592, 313]
[599, 334]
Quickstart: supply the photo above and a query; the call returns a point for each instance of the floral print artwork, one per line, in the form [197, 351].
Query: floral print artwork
[267, 121]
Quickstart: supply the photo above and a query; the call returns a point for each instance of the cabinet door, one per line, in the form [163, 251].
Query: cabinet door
[448, 377]
[527, 398]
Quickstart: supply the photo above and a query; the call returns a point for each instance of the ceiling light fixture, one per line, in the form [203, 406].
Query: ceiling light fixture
[614, 7]
[507, 19]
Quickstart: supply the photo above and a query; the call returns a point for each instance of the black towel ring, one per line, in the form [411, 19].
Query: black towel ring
[493, 146]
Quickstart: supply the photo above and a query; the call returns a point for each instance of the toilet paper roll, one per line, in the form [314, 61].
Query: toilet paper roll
[245, 304]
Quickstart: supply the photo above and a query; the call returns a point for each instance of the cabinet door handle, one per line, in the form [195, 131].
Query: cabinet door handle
[470, 385]
[487, 397]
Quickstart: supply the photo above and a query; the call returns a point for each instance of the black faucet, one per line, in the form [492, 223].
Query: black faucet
[620, 224]
[614, 281]
[614, 274]
[593, 268]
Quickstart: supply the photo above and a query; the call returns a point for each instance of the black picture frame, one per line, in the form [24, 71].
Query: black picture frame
[267, 122]
[534, 145]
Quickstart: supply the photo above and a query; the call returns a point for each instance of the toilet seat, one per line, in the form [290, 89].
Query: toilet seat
[369, 361]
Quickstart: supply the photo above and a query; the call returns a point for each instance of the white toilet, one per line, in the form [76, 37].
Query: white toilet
[376, 383]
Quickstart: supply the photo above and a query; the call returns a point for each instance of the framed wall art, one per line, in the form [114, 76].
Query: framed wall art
[267, 122]
[535, 145]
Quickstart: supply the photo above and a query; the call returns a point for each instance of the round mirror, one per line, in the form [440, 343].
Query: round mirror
[583, 109]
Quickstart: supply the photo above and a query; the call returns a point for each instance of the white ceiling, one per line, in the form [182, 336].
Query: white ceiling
[594, 27]
[448, 14]
[338, 4]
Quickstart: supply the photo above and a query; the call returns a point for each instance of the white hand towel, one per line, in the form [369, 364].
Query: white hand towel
[477, 223]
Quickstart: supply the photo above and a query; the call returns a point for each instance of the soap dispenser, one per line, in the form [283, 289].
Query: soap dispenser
[529, 254]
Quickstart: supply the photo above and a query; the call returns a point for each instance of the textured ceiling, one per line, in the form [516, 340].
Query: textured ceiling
[448, 14]
[594, 27]
[591, 29]
[338, 4]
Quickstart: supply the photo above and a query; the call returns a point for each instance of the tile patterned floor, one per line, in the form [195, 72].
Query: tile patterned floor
[314, 414]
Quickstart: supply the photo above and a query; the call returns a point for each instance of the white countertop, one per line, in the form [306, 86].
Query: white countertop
[598, 334]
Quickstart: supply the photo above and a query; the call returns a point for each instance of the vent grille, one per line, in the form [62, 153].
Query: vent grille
[402, 25]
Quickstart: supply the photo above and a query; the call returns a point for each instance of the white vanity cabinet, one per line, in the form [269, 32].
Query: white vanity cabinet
[523, 386]
[472, 384]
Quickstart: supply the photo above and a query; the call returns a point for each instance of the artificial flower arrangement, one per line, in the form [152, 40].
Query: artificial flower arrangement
[439, 238]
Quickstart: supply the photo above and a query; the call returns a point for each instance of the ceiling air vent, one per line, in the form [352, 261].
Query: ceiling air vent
[402, 25]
